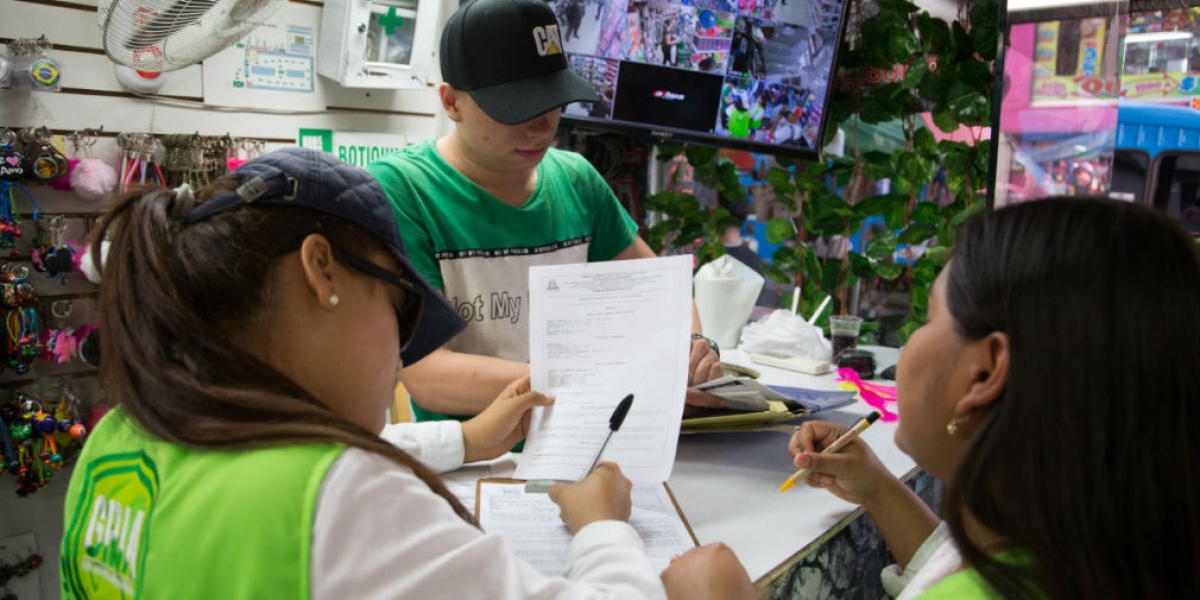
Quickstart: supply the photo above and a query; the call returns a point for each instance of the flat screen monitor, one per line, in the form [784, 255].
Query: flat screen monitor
[747, 74]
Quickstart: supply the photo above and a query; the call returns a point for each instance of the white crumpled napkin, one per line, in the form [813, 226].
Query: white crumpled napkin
[785, 333]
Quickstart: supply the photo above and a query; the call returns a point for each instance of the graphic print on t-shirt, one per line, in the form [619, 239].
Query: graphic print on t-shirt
[490, 290]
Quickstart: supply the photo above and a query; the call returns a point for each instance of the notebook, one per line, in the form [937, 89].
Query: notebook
[749, 395]
[751, 405]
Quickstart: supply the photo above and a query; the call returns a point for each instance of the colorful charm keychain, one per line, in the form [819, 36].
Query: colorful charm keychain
[32, 68]
[29, 472]
[60, 343]
[138, 160]
[70, 416]
[49, 254]
[35, 442]
[45, 163]
[12, 169]
[19, 300]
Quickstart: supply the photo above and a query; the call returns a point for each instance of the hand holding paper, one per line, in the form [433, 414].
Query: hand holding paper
[503, 423]
[598, 331]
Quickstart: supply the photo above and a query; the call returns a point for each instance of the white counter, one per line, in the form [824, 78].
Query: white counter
[728, 483]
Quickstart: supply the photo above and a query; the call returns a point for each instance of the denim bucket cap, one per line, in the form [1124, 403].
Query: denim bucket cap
[313, 180]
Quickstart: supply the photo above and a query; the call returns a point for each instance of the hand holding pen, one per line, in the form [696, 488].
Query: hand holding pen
[820, 448]
[614, 424]
[603, 496]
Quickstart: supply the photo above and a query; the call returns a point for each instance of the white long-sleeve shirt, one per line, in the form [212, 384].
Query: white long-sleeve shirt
[937, 558]
[380, 532]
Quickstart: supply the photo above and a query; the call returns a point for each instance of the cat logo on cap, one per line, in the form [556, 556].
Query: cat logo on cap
[546, 38]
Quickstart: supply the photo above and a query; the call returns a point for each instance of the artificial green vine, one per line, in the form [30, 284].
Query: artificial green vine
[948, 72]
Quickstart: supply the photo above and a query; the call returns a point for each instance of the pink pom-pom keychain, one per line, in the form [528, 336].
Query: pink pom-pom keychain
[91, 178]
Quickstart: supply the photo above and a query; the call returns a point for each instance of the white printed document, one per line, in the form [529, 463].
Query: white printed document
[530, 523]
[597, 332]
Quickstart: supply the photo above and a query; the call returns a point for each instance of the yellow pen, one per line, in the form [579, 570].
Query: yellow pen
[836, 446]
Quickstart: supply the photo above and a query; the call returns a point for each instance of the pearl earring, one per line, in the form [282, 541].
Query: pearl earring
[952, 426]
[333, 300]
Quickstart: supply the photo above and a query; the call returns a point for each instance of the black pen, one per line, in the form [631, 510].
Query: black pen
[614, 423]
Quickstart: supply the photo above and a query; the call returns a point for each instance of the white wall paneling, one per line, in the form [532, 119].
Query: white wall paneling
[92, 97]
[86, 70]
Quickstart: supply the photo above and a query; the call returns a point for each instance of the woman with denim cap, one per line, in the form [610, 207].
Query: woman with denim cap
[252, 332]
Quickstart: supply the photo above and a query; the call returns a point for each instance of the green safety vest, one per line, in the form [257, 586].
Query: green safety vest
[968, 584]
[146, 518]
[739, 124]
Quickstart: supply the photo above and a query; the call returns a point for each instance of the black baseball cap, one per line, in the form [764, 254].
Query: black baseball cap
[509, 55]
[313, 180]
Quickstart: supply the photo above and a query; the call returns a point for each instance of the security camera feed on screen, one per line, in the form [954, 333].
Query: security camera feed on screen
[750, 74]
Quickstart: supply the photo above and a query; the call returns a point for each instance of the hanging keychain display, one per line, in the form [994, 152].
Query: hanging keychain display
[43, 162]
[137, 163]
[32, 68]
[59, 342]
[30, 472]
[90, 178]
[183, 159]
[70, 416]
[241, 150]
[38, 440]
[12, 162]
[49, 254]
[12, 169]
[19, 301]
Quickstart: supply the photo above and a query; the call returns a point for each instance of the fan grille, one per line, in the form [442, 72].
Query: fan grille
[167, 35]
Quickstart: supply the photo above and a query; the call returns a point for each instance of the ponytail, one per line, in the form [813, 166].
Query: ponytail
[170, 297]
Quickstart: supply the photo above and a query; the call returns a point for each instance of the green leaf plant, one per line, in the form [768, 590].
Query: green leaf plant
[928, 65]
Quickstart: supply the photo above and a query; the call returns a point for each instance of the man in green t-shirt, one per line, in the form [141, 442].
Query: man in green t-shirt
[480, 205]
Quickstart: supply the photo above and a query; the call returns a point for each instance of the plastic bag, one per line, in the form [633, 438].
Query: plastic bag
[786, 334]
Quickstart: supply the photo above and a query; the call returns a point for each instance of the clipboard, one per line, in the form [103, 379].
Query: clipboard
[548, 550]
[682, 517]
[498, 480]
[510, 481]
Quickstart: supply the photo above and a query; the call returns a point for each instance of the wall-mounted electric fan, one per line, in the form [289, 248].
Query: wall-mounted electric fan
[154, 36]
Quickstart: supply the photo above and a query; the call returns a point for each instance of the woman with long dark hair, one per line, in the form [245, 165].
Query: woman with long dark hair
[251, 335]
[1055, 391]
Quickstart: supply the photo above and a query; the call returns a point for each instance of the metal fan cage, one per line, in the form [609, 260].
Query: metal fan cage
[166, 35]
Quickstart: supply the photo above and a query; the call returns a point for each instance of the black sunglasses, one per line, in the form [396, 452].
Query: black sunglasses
[408, 314]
